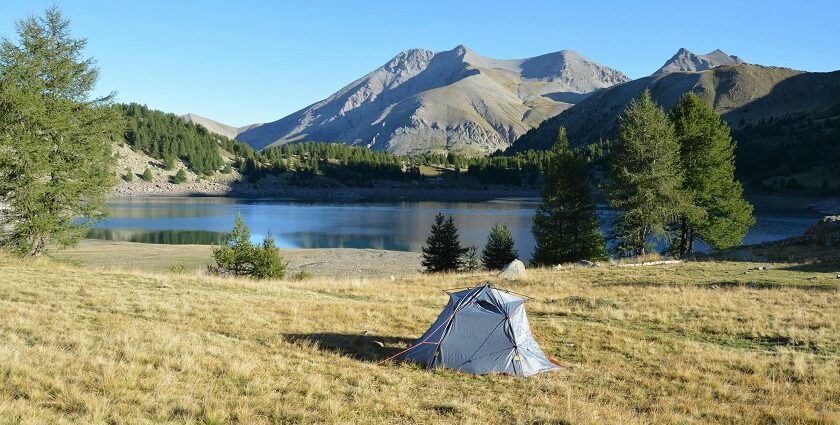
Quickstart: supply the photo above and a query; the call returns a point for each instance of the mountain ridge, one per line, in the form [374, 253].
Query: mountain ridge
[455, 100]
[686, 61]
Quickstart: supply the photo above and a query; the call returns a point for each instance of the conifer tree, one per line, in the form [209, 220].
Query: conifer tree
[646, 176]
[238, 257]
[716, 211]
[56, 159]
[565, 225]
[499, 250]
[443, 251]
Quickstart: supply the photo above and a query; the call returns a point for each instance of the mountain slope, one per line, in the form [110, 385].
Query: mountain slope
[685, 60]
[216, 127]
[454, 100]
[790, 114]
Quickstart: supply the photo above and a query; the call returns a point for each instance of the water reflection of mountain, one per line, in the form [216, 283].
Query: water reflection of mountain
[168, 237]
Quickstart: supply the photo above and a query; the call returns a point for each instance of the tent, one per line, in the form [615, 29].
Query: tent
[482, 330]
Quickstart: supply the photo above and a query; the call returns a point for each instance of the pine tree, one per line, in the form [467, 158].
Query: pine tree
[646, 177]
[716, 212]
[56, 160]
[443, 251]
[147, 175]
[499, 250]
[565, 225]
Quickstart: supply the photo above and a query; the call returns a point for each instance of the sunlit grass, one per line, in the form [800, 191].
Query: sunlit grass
[686, 343]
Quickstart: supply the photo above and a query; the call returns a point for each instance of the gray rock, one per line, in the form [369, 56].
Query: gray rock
[585, 263]
[514, 271]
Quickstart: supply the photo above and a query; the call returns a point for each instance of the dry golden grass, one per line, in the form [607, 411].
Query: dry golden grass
[688, 343]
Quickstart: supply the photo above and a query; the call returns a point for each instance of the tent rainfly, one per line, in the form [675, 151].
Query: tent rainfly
[482, 330]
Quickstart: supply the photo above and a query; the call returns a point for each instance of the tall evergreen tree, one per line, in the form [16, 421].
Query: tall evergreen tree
[566, 225]
[716, 212]
[499, 250]
[56, 161]
[443, 251]
[646, 177]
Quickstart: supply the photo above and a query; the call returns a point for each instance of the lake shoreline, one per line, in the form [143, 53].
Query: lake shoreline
[193, 259]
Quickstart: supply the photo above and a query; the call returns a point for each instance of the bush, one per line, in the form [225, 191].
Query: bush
[128, 176]
[227, 169]
[180, 177]
[147, 175]
[238, 257]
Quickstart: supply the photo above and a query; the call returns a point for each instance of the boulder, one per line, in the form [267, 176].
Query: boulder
[585, 263]
[514, 271]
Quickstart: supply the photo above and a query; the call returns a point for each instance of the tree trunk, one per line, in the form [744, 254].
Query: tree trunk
[685, 238]
[38, 246]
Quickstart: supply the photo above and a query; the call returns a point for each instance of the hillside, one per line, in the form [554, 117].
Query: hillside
[217, 127]
[691, 343]
[749, 97]
[686, 61]
[456, 100]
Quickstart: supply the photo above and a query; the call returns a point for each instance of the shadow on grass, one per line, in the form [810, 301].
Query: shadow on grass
[365, 347]
[816, 267]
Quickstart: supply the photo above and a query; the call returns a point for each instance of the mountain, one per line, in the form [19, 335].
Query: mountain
[217, 127]
[456, 100]
[684, 60]
[784, 120]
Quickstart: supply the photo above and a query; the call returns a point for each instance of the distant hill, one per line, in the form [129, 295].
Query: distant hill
[217, 127]
[451, 101]
[685, 60]
[786, 119]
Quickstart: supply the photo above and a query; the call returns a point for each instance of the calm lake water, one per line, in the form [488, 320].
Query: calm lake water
[401, 226]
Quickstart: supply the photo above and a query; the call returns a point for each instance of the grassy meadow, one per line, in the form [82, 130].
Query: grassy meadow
[683, 343]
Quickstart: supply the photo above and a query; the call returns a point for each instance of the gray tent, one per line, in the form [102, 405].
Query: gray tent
[482, 330]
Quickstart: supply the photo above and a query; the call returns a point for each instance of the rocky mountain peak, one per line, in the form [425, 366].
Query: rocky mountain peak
[686, 61]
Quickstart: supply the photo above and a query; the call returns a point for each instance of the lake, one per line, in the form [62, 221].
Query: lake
[401, 226]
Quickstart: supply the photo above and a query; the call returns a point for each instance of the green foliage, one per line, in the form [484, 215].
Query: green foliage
[646, 176]
[56, 161]
[147, 175]
[128, 176]
[566, 225]
[499, 250]
[443, 251]
[716, 212]
[179, 177]
[168, 137]
[227, 169]
[238, 257]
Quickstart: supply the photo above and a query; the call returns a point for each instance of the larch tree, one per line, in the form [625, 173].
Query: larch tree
[646, 180]
[716, 211]
[566, 226]
[56, 159]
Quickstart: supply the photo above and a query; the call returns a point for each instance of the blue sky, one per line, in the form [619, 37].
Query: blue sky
[256, 61]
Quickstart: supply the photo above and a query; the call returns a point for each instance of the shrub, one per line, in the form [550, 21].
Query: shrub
[147, 175]
[180, 177]
[128, 176]
[238, 257]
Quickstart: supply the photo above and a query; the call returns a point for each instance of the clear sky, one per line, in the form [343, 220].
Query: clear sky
[244, 61]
